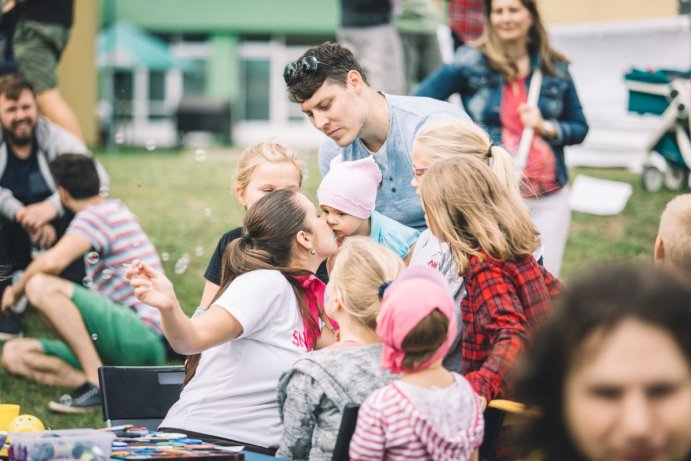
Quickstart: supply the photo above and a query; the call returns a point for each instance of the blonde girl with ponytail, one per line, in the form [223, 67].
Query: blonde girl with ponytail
[449, 139]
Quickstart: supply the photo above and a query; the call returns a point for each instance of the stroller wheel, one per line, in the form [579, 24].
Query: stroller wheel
[651, 178]
[676, 178]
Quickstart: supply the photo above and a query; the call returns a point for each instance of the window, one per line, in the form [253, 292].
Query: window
[255, 73]
[123, 90]
[194, 78]
[157, 86]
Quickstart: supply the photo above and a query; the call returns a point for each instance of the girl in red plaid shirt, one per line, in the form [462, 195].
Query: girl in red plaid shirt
[492, 240]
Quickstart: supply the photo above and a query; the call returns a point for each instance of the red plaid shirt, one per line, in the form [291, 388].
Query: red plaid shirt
[505, 300]
[467, 18]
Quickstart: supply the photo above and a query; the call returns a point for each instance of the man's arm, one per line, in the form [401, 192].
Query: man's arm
[55, 260]
[9, 204]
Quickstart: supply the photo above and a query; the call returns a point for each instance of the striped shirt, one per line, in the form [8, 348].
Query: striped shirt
[406, 422]
[116, 239]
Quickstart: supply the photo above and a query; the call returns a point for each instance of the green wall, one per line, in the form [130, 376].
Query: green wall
[304, 17]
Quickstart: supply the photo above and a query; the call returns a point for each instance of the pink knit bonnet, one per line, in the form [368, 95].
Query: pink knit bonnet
[351, 187]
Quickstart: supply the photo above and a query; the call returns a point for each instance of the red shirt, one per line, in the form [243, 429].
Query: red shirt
[505, 301]
[467, 18]
[540, 174]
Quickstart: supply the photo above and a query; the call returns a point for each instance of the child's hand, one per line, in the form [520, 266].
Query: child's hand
[483, 402]
[151, 287]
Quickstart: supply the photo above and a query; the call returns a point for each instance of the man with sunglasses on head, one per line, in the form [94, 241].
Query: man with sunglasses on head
[360, 121]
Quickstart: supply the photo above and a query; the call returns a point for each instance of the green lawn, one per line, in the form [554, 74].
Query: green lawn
[185, 204]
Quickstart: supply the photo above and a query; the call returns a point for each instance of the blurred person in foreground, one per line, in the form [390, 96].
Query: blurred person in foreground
[611, 373]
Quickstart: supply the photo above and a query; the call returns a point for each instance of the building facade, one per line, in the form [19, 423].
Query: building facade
[235, 51]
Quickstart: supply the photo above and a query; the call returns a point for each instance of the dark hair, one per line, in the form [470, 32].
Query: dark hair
[423, 341]
[270, 226]
[334, 63]
[596, 303]
[12, 85]
[77, 174]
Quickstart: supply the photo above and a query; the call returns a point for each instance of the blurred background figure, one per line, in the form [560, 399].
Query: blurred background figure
[494, 77]
[366, 29]
[466, 20]
[40, 36]
[612, 372]
[417, 27]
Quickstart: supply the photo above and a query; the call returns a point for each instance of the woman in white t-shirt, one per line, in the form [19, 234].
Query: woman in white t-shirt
[267, 314]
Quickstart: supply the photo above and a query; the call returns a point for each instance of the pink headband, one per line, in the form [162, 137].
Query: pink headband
[351, 187]
[417, 292]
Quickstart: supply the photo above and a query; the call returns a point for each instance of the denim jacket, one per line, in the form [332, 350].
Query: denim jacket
[481, 90]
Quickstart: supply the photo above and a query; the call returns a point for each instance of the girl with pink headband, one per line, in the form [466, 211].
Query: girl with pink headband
[430, 413]
[347, 196]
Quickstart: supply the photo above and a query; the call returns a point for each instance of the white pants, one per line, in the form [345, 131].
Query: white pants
[552, 217]
[378, 50]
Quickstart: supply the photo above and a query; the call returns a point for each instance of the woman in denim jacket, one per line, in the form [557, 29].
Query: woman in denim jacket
[493, 76]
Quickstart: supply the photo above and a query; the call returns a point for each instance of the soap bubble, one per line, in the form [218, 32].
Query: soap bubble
[94, 336]
[165, 256]
[103, 191]
[92, 257]
[151, 145]
[199, 251]
[200, 154]
[182, 263]
[107, 274]
[207, 212]
[86, 281]
[119, 137]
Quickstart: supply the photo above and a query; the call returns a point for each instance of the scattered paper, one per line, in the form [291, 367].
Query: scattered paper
[599, 196]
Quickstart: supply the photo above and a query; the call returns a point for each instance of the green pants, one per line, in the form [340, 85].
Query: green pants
[119, 335]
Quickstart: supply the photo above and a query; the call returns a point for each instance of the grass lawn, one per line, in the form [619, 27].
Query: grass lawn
[185, 203]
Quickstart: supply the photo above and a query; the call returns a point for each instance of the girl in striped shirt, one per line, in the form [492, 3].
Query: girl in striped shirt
[431, 413]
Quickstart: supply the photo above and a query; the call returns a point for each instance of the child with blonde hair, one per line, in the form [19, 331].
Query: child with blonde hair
[260, 169]
[347, 196]
[492, 240]
[430, 413]
[449, 139]
[314, 392]
[673, 243]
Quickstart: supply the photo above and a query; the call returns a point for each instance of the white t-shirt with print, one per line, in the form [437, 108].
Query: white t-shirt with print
[233, 393]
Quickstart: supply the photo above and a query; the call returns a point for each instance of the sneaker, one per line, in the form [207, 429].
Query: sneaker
[83, 400]
[10, 326]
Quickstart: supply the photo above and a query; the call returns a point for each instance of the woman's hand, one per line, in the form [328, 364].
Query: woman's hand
[151, 287]
[531, 117]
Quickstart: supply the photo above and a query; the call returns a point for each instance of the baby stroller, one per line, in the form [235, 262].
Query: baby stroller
[666, 93]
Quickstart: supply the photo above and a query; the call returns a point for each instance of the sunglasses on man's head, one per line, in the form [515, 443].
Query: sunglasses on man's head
[306, 65]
